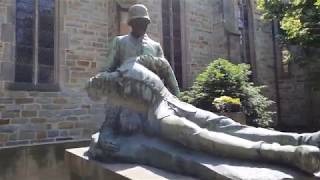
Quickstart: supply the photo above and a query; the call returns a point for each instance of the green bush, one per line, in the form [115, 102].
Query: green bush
[222, 78]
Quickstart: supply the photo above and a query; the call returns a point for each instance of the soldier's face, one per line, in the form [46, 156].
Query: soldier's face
[139, 26]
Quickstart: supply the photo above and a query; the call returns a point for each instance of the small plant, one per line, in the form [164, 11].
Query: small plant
[226, 104]
[222, 78]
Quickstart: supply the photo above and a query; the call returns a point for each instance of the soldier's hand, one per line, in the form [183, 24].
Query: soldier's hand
[145, 58]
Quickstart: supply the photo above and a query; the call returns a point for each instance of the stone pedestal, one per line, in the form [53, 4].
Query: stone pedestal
[81, 168]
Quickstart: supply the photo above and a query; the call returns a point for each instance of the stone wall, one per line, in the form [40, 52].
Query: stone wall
[198, 28]
[34, 116]
[85, 30]
[206, 36]
[295, 99]
[264, 68]
[217, 36]
[36, 162]
[211, 33]
[299, 92]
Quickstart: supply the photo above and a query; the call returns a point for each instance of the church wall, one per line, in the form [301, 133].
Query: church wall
[35, 116]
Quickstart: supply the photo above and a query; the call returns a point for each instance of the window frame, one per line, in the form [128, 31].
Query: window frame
[35, 85]
[123, 15]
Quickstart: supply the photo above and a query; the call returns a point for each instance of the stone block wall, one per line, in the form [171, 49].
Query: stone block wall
[36, 162]
[206, 37]
[209, 35]
[299, 93]
[295, 102]
[211, 31]
[85, 30]
[265, 68]
[33, 116]
[295, 99]
[198, 37]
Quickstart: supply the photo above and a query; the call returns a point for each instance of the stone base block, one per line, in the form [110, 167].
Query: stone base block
[81, 168]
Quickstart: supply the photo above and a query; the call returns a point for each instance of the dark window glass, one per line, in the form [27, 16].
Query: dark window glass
[25, 9]
[24, 41]
[177, 46]
[24, 73]
[24, 54]
[176, 5]
[46, 56]
[46, 41]
[166, 29]
[24, 36]
[45, 74]
[26, 70]
[46, 7]
[165, 20]
[46, 22]
[165, 5]
[46, 15]
[171, 25]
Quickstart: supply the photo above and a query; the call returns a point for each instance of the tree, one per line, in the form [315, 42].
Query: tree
[299, 19]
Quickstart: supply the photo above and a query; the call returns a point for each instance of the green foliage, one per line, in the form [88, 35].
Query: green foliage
[222, 78]
[299, 19]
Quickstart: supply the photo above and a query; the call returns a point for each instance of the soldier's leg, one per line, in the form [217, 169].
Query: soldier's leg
[189, 134]
[214, 122]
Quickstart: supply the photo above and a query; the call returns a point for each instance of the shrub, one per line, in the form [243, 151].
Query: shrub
[222, 78]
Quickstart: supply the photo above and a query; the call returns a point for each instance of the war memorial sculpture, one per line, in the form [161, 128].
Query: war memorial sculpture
[139, 78]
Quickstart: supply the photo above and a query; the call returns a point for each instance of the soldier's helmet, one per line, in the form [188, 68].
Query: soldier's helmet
[138, 11]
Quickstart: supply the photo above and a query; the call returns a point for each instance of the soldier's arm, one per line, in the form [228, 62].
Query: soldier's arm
[113, 58]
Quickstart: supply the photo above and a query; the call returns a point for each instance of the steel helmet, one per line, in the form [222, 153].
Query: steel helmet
[138, 11]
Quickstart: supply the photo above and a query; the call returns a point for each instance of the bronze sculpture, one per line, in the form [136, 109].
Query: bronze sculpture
[135, 81]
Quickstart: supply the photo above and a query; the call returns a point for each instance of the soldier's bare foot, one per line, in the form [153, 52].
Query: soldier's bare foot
[307, 158]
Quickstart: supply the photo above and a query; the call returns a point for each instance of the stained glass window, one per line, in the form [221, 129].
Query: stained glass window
[35, 41]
